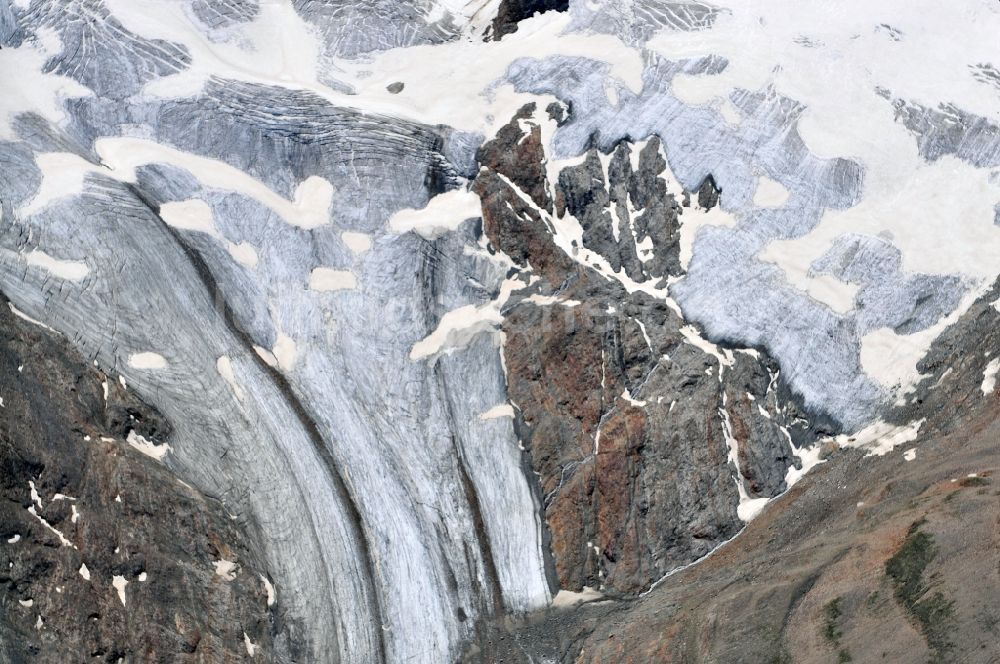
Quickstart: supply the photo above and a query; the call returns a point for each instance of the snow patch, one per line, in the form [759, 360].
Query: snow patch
[69, 270]
[119, 583]
[568, 598]
[990, 376]
[225, 368]
[285, 351]
[244, 253]
[457, 328]
[190, 215]
[442, 214]
[769, 193]
[147, 447]
[496, 412]
[269, 589]
[359, 243]
[147, 361]
[266, 355]
[20, 314]
[880, 438]
[225, 568]
[325, 280]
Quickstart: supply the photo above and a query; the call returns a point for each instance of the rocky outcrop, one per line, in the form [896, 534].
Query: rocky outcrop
[868, 558]
[104, 554]
[649, 442]
[512, 12]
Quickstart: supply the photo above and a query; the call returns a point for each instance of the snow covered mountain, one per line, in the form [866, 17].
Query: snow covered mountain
[415, 331]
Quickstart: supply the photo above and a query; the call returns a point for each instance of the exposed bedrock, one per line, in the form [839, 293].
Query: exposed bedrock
[903, 567]
[648, 441]
[512, 12]
[104, 554]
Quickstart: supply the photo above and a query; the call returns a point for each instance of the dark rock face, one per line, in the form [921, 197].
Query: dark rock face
[581, 192]
[629, 417]
[105, 555]
[512, 12]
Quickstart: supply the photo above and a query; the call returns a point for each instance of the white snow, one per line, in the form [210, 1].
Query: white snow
[84, 572]
[35, 497]
[729, 112]
[225, 368]
[47, 92]
[723, 355]
[285, 351]
[748, 508]
[243, 253]
[250, 645]
[325, 280]
[20, 314]
[147, 447]
[63, 175]
[69, 270]
[910, 454]
[62, 538]
[192, 215]
[147, 360]
[892, 358]
[990, 376]
[809, 457]
[225, 568]
[269, 589]
[359, 243]
[443, 214]
[627, 396]
[14, 539]
[266, 355]
[119, 583]
[456, 329]
[546, 300]
[498, 411]
[460, 326]
[880, 438]
[568, 598]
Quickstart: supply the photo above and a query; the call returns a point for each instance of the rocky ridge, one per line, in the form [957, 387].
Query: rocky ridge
[868, 558]
[105, 555]
[651, 445]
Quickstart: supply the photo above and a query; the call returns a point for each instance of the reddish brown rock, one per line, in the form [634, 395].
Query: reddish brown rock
[622, 416]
